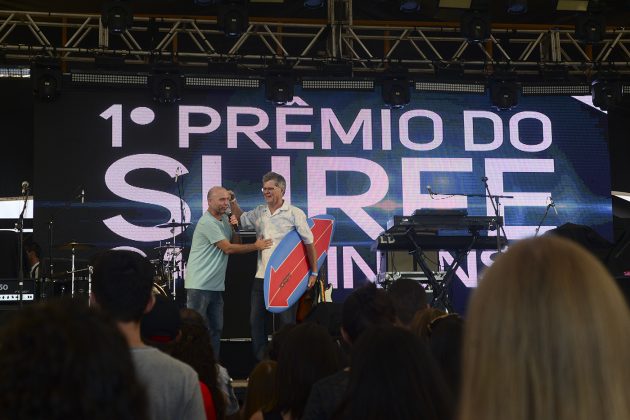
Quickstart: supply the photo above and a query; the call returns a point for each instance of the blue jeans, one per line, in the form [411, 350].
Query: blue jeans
[257, 316]
[210, 305]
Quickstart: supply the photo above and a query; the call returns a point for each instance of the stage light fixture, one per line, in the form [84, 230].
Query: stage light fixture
[166, 83]
[395, 88]
[334, 84]
[409, 6]
[233, 18]
[504, 89]
[516, 7]
[313, 4]
[47, 78]
[606, 92]
[108, 79]
[279, 84]
[449, 87]
[475, 25]
[116, 16]
[590, 28]
[222, 82]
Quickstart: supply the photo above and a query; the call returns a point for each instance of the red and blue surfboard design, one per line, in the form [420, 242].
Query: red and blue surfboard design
[287, 273]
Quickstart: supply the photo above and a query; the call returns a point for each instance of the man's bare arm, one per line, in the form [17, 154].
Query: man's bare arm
[230, 248]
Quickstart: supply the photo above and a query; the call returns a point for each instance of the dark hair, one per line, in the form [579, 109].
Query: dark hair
[394, 377]
[194, 348]
[62, 360]
[163, 322]
[31, 246]
[307, 355]
[366, 306]
[409, 297]
[445, 335]
[122, 284]
[277, 340]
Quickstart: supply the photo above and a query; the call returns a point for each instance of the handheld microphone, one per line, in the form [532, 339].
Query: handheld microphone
[176, 174]
[228, 213]
[25, 186]
[429, 190]
[553, 204]
[484, 178]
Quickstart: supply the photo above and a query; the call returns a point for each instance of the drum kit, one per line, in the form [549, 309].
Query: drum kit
[77, 280]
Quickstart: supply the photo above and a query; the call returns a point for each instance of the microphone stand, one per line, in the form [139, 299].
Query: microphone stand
[496, 205]
[20, 227]
[543, 218]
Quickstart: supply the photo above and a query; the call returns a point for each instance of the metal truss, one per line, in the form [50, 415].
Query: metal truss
[370, 46]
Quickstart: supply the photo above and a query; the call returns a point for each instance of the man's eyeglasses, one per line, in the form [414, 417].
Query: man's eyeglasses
[268, 189]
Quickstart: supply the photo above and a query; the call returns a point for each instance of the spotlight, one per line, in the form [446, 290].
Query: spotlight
[409, 6]
[166, 84]
[516, 7]
[233, 18]
[475, 26]
[116, 16]
[606, 92]
[504, 90]
[590, 28]
[395, 90]
[46, 77]
[279, 84]
[313, 4]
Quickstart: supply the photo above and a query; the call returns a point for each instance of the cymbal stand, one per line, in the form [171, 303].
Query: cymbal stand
[51, 223]
[72, 274]
[173, 263]
[20, 227]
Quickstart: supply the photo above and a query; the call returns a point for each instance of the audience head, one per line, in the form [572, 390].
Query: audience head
[194, 347]
[445, 342]
[546, 338]
[307, 355]
[121, 285]
[161, 326]
[365, 307]
[393, 376]
[62, 360]
[262, 394]
[408, 297]
[420, 323]
[277, 340]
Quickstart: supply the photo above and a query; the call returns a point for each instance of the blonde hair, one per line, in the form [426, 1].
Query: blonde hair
[547, 337]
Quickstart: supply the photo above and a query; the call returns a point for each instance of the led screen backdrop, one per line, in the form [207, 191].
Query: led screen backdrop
[342, 153]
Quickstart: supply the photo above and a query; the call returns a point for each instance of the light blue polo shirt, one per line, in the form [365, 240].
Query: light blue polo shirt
[207, 263]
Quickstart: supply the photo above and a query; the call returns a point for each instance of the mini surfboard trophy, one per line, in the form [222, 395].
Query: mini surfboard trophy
[288, 270]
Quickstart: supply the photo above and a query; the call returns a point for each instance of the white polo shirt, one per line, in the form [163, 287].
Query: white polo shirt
[275, 227]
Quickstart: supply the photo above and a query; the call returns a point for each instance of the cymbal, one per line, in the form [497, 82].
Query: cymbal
[173, 225]
[77, 246]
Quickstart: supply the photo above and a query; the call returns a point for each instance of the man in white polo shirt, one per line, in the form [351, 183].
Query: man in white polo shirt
[213, 240]
[273, 220]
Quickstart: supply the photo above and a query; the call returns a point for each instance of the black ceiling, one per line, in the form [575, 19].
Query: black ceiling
[540, 11]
